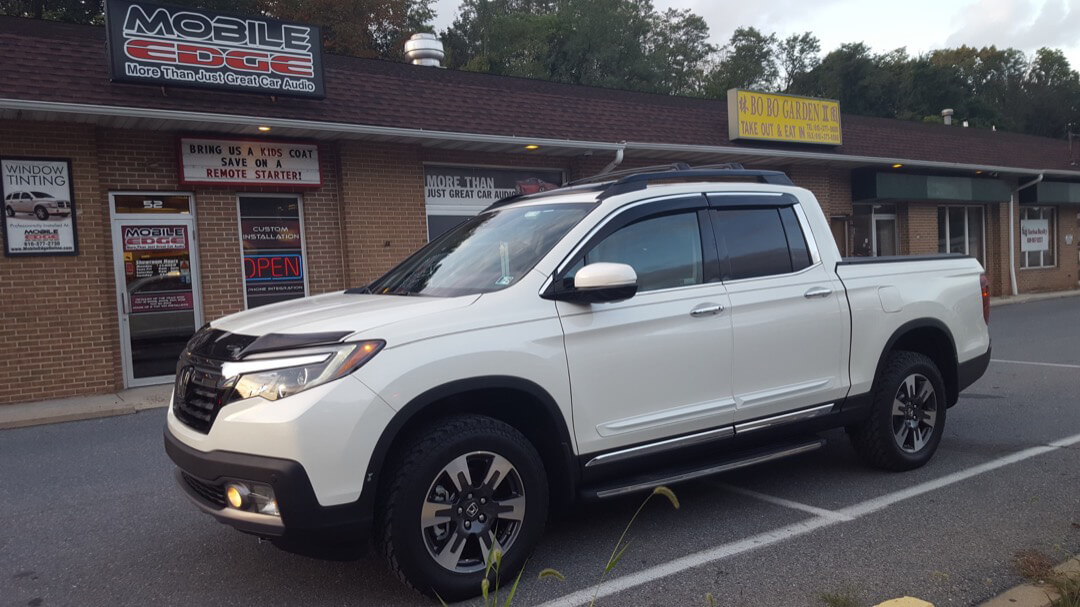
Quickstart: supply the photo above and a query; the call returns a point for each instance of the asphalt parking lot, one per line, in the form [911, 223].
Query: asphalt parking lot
[90, 515]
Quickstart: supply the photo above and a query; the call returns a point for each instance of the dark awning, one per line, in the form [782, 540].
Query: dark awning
[884, 185]
[1051, 192]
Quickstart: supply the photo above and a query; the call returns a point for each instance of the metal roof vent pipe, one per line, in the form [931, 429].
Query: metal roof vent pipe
[424, 49]
[946, 116]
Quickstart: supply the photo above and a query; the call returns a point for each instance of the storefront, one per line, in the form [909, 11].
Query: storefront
[143, 200]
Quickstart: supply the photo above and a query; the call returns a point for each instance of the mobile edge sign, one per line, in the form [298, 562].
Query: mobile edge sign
[38, 206]
[214, 161]
[787, 118]
[149, 43]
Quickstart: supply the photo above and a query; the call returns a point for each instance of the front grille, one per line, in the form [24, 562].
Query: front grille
[200, 393]
[212, 494]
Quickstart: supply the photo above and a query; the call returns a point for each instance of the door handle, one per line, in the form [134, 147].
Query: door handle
[817, 292]
[707, 310]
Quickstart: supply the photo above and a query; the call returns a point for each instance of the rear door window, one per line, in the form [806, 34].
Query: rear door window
[752, 243]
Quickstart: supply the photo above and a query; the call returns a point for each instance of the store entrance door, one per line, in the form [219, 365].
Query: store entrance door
[157, 286]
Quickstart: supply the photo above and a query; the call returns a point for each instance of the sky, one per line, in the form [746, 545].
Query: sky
[918, 25]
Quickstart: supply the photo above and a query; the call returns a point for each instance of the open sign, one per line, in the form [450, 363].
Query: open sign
[273, 267]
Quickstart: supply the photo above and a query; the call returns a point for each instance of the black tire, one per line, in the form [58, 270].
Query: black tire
[881, 440]
[10, 211]
[418, 474]
[41, 213]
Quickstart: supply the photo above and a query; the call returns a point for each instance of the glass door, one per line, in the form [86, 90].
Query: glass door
[157, 286]
[885, 235]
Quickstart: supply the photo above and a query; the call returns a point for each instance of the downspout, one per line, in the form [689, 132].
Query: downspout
[1012, 231]
[614, 163]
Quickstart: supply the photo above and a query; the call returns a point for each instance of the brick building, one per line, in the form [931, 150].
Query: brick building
[385, 137]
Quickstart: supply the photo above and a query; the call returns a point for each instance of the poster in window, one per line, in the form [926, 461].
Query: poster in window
[39, 207]
[1034, 235]
[450, 186]
[273, 250]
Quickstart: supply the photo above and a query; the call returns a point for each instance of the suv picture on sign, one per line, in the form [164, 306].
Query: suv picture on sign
[38, 207]
[39, 204]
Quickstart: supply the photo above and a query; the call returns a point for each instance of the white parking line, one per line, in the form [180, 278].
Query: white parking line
[779, 501]
[768, 538]
[1035, 364]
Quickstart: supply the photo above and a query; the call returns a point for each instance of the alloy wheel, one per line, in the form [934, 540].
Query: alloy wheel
[474, 506]
[914, 413]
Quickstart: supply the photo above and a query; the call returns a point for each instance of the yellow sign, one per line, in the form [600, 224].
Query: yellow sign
[773, 117]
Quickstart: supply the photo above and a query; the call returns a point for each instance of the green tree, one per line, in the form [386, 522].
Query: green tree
[796, 56]
[748, 61]
[611, 43]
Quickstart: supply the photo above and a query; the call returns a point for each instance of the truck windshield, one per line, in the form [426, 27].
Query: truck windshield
[487, 253]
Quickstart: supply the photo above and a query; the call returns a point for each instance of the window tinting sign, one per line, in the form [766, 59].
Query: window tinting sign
[273, 250]
[38, 206]
[158, 44]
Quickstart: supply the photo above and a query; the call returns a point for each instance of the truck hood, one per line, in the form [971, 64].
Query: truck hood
[337, 312]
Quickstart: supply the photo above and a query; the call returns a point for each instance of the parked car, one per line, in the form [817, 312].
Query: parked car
[40, 204]
[580, 344]
[533, 185]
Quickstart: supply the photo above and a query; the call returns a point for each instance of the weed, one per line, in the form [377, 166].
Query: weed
[490, 592]
[1068, 590]
[843, 598]
[1033, 565]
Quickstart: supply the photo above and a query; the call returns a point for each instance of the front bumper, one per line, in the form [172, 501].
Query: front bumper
[202, 474]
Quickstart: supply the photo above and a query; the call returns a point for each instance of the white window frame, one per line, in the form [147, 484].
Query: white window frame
[1053, 237]
[967, 230]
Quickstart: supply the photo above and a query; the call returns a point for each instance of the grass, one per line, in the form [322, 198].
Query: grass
[1036, 567]
[489, 591]
[843, 598]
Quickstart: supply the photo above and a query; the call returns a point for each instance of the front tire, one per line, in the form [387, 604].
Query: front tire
[907, 417]
[458, 491]
[41, 213]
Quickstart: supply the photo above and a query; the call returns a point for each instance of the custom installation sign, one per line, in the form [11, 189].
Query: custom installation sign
[273, 246]
[158, 44]
[789, 118]
[206, 161]
[39, 208]
[452, 186]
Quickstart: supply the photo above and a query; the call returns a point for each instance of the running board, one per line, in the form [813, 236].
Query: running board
[671, 477]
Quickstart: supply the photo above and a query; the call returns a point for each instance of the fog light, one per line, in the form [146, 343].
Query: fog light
[237, 495]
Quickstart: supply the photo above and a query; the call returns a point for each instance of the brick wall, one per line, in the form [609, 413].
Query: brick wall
[58, 314]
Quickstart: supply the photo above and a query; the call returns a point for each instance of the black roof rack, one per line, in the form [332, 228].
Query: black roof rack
[630, 180]
[682, 172]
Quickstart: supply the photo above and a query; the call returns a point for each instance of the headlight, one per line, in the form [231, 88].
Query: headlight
[279, 374]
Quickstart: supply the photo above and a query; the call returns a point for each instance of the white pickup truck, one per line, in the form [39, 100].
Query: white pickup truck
[638, 329]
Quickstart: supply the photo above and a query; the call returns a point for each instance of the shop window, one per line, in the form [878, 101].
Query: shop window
[961, 230]
[1037, 237]
[875, 230]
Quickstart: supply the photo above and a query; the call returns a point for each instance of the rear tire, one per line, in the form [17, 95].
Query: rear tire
[10, 211]
[907, 417]
[459, 490]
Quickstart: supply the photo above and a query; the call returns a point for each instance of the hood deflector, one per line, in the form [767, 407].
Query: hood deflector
[222, 345]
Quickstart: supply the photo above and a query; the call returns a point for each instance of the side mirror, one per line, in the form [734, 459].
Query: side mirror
[601, 282]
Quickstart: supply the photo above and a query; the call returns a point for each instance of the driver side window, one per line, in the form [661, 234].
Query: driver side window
[664, 251]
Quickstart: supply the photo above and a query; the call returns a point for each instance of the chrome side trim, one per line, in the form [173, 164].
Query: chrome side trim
[735, 465]
[664, 445]
[786, 418]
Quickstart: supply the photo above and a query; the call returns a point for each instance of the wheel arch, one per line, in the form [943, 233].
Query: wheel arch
[932, 338]
[540, 420]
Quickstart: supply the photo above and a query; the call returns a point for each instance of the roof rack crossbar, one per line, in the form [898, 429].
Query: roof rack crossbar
[639, 181]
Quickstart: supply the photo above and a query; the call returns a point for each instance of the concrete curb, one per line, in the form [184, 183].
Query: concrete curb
[1035, 595]
[77, 408]
[1030, 297]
